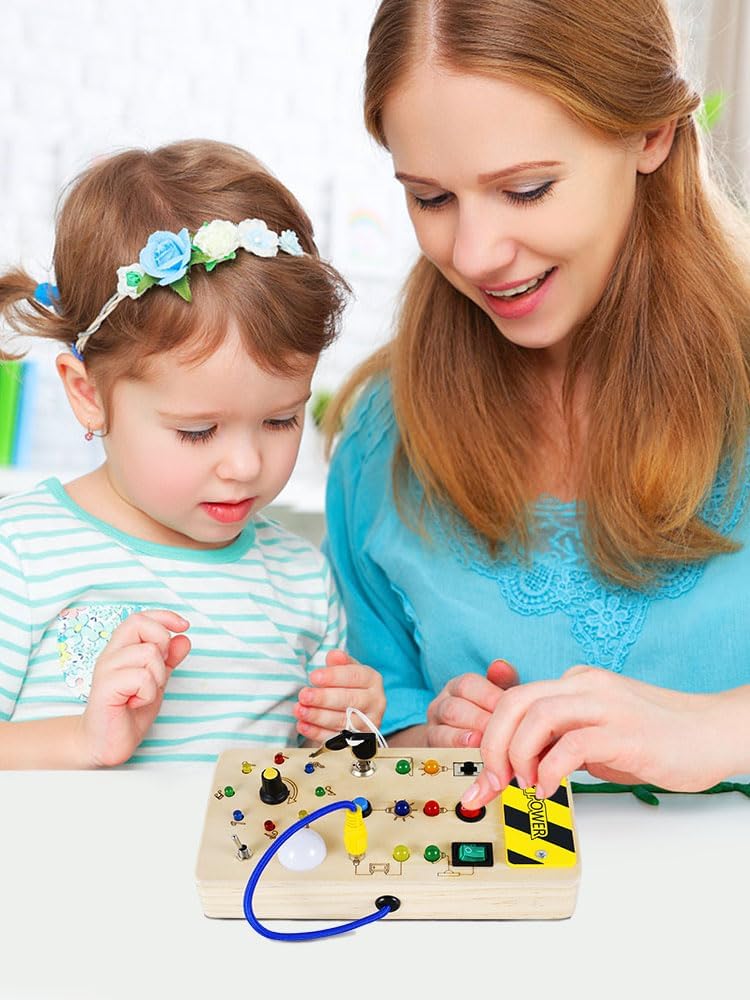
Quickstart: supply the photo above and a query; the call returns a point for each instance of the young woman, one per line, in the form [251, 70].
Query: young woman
[548, 463]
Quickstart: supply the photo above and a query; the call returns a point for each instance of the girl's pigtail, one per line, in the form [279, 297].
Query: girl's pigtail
[21, 314]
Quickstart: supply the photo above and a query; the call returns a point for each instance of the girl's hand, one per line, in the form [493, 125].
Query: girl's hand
[459, 715]
[128, 684]
[341, 684]
[617, 728]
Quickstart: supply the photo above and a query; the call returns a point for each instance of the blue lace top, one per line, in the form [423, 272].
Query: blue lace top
[423, 609]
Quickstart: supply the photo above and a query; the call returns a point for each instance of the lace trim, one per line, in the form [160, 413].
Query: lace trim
[605, 619]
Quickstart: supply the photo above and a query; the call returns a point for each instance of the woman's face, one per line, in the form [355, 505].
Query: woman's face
[521, 208]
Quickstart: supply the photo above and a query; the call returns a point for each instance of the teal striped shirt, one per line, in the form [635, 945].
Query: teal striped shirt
[263, 612]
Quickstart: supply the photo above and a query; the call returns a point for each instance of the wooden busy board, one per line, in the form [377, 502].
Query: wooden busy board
[518, 859]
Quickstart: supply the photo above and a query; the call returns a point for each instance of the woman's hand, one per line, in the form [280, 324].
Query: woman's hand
[343, 683]
[618, 729]
[461, 712]
[128, 684]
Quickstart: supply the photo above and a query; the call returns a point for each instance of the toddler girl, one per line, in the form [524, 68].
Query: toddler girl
[193, 363]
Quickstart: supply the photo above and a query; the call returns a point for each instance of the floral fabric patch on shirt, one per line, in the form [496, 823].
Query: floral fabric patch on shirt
[82, 633]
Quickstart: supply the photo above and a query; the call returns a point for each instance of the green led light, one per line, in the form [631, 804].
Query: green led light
[403, 767]
[320, 791]
[229, 791]
[432, 853]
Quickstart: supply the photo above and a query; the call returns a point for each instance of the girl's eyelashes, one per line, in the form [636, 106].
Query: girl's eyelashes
[515, 197]
[196, 437]
[283, 424]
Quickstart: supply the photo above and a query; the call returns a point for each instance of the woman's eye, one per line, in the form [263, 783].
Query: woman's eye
[283, 424]
[194, 437]
[530, 195]
[428, 203]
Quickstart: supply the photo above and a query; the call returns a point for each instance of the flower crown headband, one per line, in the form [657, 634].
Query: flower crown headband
[167, 258]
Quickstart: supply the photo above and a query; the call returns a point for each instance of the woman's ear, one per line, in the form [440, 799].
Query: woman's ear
[654, 147]
[81, 391]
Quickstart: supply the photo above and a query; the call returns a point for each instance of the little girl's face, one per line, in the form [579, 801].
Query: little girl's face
[194, 450]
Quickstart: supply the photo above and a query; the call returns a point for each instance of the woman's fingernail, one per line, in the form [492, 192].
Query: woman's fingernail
[492, 778]
[470, 794]
[316, 676]
[522, 782]
[540, 793]
[466, 739]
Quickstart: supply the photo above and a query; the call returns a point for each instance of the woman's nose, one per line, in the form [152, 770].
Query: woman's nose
[482, 247]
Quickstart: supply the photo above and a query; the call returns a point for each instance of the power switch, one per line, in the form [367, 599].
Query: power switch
[471, 854]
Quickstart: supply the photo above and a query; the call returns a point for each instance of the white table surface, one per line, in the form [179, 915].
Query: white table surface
[98, 900]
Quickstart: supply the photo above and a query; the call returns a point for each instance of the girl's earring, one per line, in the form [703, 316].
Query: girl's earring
[89, 435]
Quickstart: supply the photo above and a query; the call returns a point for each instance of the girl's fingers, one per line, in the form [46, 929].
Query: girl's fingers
[148, 626]
[338, 658]
[321, 717]
[131, 686]
[179, 647]
[145, 657]
[346, 675]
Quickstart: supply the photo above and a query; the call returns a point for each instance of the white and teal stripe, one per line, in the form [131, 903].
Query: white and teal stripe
[263, 612]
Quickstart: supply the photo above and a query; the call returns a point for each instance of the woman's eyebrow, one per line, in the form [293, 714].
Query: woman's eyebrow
[496, 175]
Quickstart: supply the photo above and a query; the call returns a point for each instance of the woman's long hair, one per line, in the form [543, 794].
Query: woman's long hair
[667, 349]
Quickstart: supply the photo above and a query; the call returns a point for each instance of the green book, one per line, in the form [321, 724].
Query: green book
[10, 386]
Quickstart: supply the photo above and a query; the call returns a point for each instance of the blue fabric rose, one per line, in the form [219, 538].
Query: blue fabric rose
[166, 256]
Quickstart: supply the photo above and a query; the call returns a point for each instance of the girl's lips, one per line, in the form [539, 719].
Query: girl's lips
[229, 513]
[521, 306]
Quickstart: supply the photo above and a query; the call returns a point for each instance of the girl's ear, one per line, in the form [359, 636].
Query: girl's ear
[81, 391]
[654, 147]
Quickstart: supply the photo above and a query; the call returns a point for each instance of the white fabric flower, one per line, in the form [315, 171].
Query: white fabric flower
[257, 238]
[128, 278]
[217, 239]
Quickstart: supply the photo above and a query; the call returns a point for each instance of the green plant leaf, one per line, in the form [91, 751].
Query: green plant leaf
[319, 404]
[182, 287]
[711, 109]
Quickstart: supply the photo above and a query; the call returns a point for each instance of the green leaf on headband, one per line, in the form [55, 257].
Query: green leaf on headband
[711, 109]
[211, 264]
[145, 283]
[198, 257]
[182, 287]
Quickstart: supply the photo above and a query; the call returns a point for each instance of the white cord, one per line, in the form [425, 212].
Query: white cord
[371, 725]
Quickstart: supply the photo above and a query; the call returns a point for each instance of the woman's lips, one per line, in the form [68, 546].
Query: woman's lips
[229, 513]
[524, 304]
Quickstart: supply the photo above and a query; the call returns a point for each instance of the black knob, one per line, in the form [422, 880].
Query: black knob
[273, 791]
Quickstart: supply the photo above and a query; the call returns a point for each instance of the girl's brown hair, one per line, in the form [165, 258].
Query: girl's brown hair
[284, 307]
[667, 349]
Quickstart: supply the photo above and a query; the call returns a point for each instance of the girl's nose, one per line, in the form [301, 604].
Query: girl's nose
[242, 462]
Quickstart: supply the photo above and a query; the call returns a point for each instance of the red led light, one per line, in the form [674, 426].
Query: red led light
[269, 825]
[431, 808]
